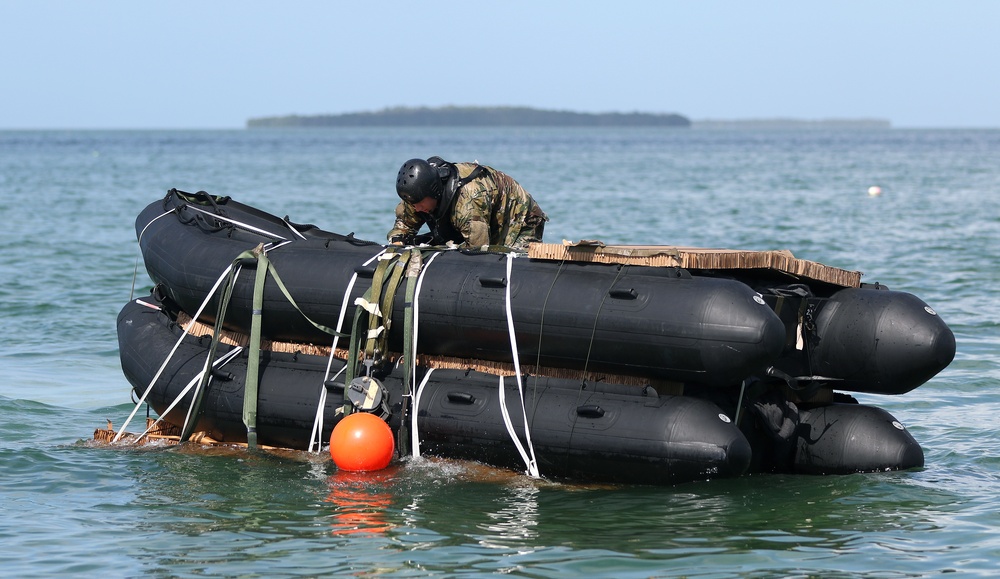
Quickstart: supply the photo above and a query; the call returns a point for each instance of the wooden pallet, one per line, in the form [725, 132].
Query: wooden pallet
[693, 258]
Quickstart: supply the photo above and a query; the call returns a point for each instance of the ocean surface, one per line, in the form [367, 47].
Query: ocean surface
[70, 507]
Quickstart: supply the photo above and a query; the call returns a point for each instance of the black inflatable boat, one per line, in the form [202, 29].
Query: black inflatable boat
[630, 373]
[704, 328]
[588, 432]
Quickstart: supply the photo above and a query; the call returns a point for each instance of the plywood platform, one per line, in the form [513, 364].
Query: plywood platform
[693, 258]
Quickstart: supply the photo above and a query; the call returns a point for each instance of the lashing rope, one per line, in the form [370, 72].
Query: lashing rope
[138, 251]
[251, 383]
[412, 359]
[529, 455]
[173, 350]
[317, 432]
[195, 408]
[222, 361]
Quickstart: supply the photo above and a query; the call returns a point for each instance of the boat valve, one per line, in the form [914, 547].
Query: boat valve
[367, 394]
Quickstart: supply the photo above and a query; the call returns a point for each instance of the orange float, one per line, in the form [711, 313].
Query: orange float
[361, 442]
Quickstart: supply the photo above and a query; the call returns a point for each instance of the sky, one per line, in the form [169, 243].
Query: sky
[183, 64]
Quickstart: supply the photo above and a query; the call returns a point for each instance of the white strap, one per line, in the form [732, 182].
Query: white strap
[251, 228]
[414, 437]
[163, 366]
[223, 360]
[529, 461]
[317, 430]
[414, 434]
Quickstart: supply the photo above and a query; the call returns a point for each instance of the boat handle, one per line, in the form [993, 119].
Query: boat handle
[461, 398]
[493, 281]
[624, 294]
[365, 271]
[590, 411]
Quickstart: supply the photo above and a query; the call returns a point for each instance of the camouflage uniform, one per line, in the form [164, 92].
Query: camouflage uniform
[491, 209]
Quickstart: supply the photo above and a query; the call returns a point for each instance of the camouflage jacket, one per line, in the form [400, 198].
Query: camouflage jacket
[490, 209]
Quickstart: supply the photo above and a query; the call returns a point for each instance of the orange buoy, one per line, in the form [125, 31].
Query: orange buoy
[360, 442]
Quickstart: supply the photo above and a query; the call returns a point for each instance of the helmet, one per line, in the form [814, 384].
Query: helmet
[418, 179]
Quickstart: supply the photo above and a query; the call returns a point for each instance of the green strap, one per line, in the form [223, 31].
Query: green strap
[220, 315]
[383, 294]
[253, 362]
[367, 346]
[264, 267]
[356, 338]
[374, 297]
[288, 296]
[388, 297]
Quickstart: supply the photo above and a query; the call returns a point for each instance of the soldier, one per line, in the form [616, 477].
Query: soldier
[466, 203]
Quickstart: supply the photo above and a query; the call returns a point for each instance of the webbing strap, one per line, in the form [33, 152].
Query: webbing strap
[389, 296]
[264, 268]
[170, 355]
[373, 298]
[409, 346]
[356, 336]
[222, 361]
[288, 296]
[528, 456]
[195, 409]
[316, 438]
[418, 389]
[378, 301]
[253, 362]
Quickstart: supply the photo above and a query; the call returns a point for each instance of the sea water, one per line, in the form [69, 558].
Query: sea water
[69, 507]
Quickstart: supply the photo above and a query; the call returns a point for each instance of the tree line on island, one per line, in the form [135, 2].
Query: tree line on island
[471, 117]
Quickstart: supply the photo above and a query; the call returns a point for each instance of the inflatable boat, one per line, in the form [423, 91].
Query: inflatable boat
[709, 328]
[622, 370]
[598, 432]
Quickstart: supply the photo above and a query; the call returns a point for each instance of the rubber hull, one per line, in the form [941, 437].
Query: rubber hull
[700, 328]
[587, 432]
[848, 438]
[598, 433]
[869, 339]
[658, 323]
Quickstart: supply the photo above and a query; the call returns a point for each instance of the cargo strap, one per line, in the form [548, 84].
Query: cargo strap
[384, 293]
[353, 356]
[527, 455]
[264, 268]
[216, 365]
[170, 355]
[375, 311]
[253, 362]
[316, 437]
[409, 346]
[191, 419]
[413, 315]
[374, 316]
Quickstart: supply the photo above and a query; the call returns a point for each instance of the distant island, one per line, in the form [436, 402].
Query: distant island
[454, 116]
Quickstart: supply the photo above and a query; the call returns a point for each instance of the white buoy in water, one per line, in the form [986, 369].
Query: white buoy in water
[874, 190]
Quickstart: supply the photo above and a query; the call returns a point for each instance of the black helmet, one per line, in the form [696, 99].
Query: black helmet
[418, 179]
